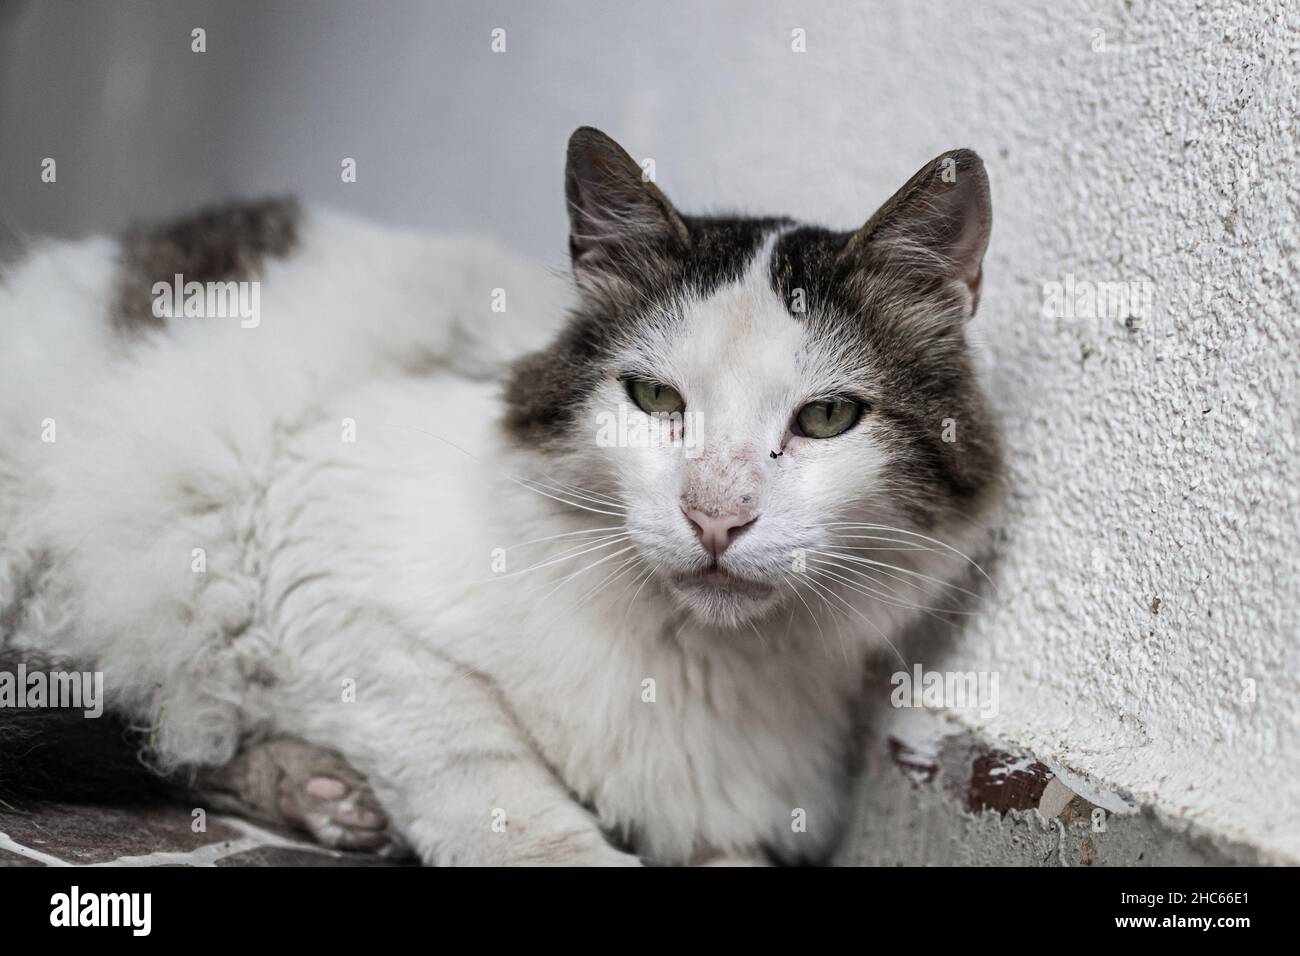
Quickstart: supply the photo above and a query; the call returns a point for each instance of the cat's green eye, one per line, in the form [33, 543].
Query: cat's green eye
[828, 418]
[653, 398]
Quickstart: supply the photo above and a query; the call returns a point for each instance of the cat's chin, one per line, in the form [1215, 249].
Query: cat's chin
[720, 599]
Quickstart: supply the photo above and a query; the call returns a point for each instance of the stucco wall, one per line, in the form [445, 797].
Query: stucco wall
[1146, 629]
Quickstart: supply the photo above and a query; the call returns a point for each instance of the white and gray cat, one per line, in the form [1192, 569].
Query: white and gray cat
[571, 575]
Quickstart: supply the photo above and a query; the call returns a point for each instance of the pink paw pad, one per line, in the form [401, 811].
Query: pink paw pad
[326, 788]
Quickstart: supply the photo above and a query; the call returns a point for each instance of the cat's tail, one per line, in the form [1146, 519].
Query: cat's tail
[60, 753]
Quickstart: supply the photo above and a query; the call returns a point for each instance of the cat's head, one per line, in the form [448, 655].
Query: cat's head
[732, 392]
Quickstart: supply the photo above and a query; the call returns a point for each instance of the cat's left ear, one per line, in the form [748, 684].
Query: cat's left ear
[621, 224]
[936, 226]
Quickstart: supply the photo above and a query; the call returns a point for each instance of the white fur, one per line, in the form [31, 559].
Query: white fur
[478, 695]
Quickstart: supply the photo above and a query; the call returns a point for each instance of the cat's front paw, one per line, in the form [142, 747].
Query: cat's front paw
[336, 806]
[295, 784]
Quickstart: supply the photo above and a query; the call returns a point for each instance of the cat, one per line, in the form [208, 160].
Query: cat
[572, 572]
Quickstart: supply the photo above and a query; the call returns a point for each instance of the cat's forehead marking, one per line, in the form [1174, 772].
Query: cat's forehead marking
[737, 316]
[741, 334]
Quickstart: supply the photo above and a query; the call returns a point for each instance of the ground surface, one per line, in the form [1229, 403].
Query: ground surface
[58, 835]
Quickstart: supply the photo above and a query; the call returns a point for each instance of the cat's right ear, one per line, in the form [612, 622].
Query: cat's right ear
[621, 226]
[936, 227]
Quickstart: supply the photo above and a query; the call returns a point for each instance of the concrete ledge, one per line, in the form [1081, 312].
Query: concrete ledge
[967, 801]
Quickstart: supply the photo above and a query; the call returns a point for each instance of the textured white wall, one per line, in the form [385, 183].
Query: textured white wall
[1157, 463]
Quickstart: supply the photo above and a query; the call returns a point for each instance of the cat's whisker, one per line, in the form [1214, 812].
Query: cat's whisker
[566, 580]
[836, 617]
[523, 483]
[589, 492]
[587, 547]
[876, 596]
[867, 526]
[577, 492]
[870, 623]
[790, 623]
[896, 544]
[563, 534]
[651, 570]
[896, 547]
[578, 546]
[570, 609]
[573, 493]
[869, 585]
[885, 568]
[905, 594]
[637, 570]
[890, 545]
[618, 571]
[794, 588]
[862, 566]
[892, 601]
[568, 554]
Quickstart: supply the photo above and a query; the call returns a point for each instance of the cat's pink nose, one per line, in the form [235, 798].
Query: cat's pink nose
[718, 532]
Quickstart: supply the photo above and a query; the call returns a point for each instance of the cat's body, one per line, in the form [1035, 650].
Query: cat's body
[330, 526]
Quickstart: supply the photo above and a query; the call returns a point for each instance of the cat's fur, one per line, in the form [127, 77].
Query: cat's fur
[594, 701]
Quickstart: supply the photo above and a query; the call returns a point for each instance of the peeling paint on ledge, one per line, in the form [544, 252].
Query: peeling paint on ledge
[1001, 782]
[958, 799]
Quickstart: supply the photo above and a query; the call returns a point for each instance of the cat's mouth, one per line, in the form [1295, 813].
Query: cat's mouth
[714, 578]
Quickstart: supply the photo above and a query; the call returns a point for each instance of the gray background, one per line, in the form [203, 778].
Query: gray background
[446, 133]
